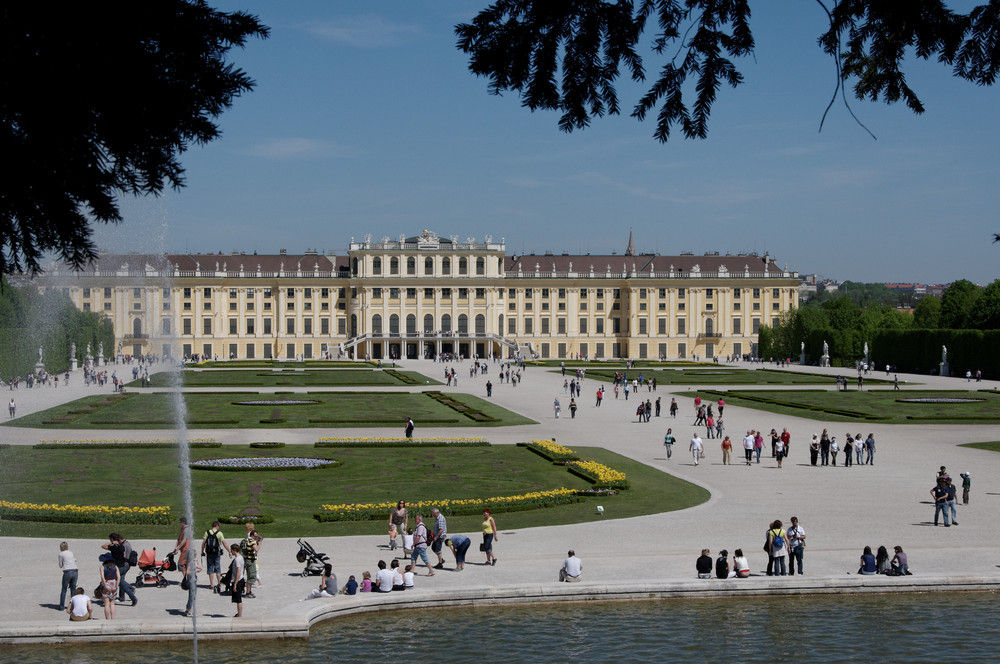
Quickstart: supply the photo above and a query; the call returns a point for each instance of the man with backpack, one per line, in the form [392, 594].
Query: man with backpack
[121, 552]
[212, 547]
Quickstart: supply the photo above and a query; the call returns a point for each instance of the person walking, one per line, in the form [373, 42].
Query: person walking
[952, 491]
[490, 535]
[824, 448]
[814, 450]
[748, 441]
[572, 408]
[870, 449]
[696, 448]
[966, 486]
[727, 451]
[940, 495]
[668, 442]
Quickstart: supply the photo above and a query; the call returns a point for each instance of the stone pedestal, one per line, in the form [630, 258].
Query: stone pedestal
[100, 360]
[944, 369]
[824, 361]
[39, 369]
[72, 364]
[802, 358]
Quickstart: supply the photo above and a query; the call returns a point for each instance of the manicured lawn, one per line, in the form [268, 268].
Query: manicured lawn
[220, 410]
[145, 477]
[885, 406]
[989, 447]
[285, 364]
[713, 374]
[285, 377]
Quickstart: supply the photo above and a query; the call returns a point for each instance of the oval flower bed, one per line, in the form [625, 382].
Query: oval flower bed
[399, 441]
[277, 402]
[19, 511]
[939, 400]
[263, 463]
[377, 511]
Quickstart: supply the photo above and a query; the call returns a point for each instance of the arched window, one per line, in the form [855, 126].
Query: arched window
[500, 265]
[137, 328]
[428, 266]
[394, 266]
[376, 266]
[446, 266]
[463, 266]
[354, 267]
[463, 324]
[480, 325]
[377, 324]
[500, 325]
[411, 324]
[428, 323]
[709, 326]
[446, 323]
[354, 325]
[394, 324]
[411, 265]
[480, 266]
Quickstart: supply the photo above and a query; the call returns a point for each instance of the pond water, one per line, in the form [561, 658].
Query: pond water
[892, 627]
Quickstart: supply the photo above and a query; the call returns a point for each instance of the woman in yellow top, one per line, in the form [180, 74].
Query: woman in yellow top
[777, 548]
[490, 535]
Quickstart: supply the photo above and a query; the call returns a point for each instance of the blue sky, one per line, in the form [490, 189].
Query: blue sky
[365, 119]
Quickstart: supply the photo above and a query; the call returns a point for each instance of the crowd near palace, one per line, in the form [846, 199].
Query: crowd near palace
[428, 296]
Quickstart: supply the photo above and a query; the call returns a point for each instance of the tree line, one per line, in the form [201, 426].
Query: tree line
[965, 319]
[30, 320]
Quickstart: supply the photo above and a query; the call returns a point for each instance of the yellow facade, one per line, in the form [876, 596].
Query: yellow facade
[424, 296]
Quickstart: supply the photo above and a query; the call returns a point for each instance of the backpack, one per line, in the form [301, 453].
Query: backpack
[133, 558]
[777, 541]
[211, 543]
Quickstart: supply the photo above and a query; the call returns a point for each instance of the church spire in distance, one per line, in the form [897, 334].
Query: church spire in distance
[630, 251]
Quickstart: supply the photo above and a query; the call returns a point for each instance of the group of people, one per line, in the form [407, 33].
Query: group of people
[417, 539]
[824, 449]
[944, 493]
[880, 563]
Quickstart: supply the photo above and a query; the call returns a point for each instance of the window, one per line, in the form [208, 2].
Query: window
[446, 323]
[709, 293]
[411, 324]
[616, 306]
[642, 293]
[251, 322]
[680, 293]
[756, 293]
[642, 306]
[681, 326]
[737, 292]
[393, 293]
[393, 266]
[186, 326]
[206, 292]
[682, 350]
[511, 293]
[187, 306]
[107, 305]
[775, 322]
[709, 306]
[324, 326]
[428, 323]
[481, 294]
[528, 293]
[428, 293]
[562, 293]
[232, 293]
[642, 326]
[165, 326]
[137, 292]
[600, 292]
[289, 306]
[480, 266]
[250, 292]
[583, 306]
[775, 306]
[377, 293]
[511, 325]
[545, 325]
[341, 326]
[428, 266]
[206, 326]
[755, 325]
[756, 306]
[86, 292]
[233, 326]
[86, 306]
[583, 294]
[267, 326]
[463, 293]
[736, 306]
[445, 293]
[394, 324]
[411, 293]
[307, 326]
[307, 292]
[663, 293]
[107, 292]
[377, 266]
[232, 306]
[411, 265]
[661, 326]
[599, 326]
[463, 266]
[600, 306]
[681, 306]
[527, 305]
[377, 324]
[737, 326]
[446, 266]
[268, 352]
[616, 294]
[289, 326]
[583, 326]
[267, 293]
[207, 306]
[324, 292]
[527, 325]
[251, 351]
[616, 325]
[545, 306]
[463, 324]
[775, 293]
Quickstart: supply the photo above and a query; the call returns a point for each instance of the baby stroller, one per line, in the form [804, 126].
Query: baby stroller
[151, 569]
[314, 561]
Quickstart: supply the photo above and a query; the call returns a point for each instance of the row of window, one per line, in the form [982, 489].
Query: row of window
[411, 266]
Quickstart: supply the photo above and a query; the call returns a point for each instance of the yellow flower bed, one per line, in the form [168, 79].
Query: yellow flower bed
[553, 447]
[600, 471]
[121, 441]
[372, 511]
[22, 511]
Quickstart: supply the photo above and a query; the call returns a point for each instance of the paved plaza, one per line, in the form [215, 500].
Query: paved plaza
[841, 509]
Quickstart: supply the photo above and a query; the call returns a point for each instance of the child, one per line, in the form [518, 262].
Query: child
[351, 587]
[408, 577]
[408, 543]
[237, 579]
[393, 534]
[366, 582]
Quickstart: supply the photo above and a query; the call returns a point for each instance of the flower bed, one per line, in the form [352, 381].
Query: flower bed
[379, 511]
[266, 445]
[124, 443]
[551, 450]
[400, 441]
[256, 519]
[263, 463]
[16, 511]
[601, 476]
[277, 402]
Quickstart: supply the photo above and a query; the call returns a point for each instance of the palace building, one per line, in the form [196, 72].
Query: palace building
[425, 296]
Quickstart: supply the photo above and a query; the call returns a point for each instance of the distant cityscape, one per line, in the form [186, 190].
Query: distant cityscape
[908, 294]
